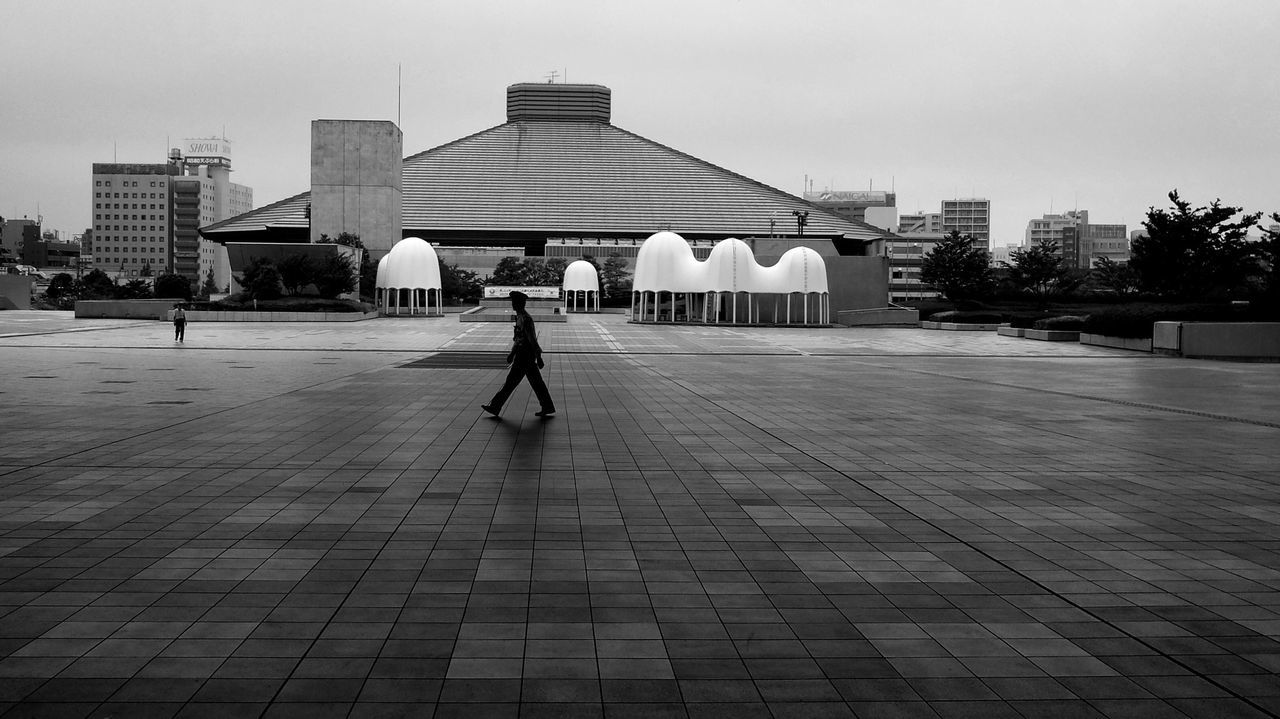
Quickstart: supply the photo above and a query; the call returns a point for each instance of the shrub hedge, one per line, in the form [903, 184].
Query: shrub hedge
[1070, 323]
[967, 317]
[1137, 320]
[284, 304]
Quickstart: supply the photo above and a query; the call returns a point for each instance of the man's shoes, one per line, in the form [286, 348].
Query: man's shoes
[545, 412]
[490, 409]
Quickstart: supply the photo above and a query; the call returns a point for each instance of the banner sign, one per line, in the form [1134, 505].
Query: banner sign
[537, 293]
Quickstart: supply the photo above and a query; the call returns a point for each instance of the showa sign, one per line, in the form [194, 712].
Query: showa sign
[537, 293]
[206, 151]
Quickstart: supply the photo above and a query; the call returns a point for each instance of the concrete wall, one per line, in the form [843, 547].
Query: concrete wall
[356, 181]
[125, 309]
[857, 283]
[1226, 340]
[15, 292]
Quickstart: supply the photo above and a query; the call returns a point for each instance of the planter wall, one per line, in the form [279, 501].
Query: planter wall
[1259, 341]
[1006, 331]
[1137, 344]
[886, 316]
[1053, 335]
[126, 309]
[958, 326]
[209, 316]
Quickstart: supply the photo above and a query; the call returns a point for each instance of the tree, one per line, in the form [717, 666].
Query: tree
[1040, 270]
[510, 272]
[260, 279]
[1195, 253]
[1115, 276]
[136, 289]
[62, 285]
[146, 269]
[1269, 256]
[614, 278]
[210, 285]
[97, 285]
[544, 272]
[368, 268]
[334, 275]
[956, 268]
[170, 285]
[295, 272]
[459, 285]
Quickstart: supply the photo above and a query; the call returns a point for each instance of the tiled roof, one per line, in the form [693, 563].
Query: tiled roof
[575, 178]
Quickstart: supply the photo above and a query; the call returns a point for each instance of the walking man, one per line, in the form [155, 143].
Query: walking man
[525, 359]
[179, 323]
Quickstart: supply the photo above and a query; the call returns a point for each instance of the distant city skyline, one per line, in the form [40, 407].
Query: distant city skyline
[1037, 108]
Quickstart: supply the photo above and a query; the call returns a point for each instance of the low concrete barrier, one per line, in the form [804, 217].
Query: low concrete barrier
[209, 316]
[880, 317]
[498, 314]
[1007, 331]
[958, 326]
[1255, 341]
[1053, 335]
[126, 309]
[1136, 344]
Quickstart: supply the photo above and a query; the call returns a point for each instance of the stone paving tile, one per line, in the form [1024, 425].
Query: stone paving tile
[284, 521]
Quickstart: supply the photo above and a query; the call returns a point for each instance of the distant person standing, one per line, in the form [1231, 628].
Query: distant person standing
[179, 323]
[525, 359]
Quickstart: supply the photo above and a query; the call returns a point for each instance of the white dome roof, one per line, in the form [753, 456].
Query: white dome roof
[382, 272]
[800, 269]
[411, 265]
[665, 262]
[581, 275]
[731, 267]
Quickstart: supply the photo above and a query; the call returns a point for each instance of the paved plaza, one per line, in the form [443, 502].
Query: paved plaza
[317, 520]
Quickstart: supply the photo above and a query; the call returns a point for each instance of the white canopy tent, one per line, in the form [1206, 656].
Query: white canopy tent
[710, 289]
[581, 277]
[407, 275]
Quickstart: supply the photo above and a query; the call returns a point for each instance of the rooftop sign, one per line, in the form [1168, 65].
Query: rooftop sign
[206, 151]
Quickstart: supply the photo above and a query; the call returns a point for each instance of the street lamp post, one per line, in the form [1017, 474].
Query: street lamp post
[802, 219]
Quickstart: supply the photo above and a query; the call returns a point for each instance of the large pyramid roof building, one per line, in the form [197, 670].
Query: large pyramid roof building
[558, 168]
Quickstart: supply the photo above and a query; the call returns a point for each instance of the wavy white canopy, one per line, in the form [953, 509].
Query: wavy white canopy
[410, 265]
[665, 263]
[581, 275]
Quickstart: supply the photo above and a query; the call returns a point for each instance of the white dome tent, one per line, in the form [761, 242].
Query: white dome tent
[406, 277]
[581, 277]
[665, 263]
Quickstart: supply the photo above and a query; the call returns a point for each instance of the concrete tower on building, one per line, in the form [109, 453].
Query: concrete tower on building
[356, 170]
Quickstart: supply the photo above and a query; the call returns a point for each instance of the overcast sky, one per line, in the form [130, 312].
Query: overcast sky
[1100, 105]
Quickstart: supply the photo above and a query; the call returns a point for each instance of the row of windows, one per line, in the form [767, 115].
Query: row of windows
[127, 195]
[123, 183]
[144, 218]
[117, 206]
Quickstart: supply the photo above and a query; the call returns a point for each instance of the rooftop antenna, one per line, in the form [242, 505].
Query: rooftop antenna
[551, 77]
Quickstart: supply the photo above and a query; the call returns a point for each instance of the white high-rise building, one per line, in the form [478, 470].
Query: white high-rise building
[147, 215]
[969, 216]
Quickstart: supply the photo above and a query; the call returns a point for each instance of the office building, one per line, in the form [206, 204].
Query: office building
[920, 222]
[874, 207]
[968, 216]
[1080, 242]
[147, 216]
[14, 236]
